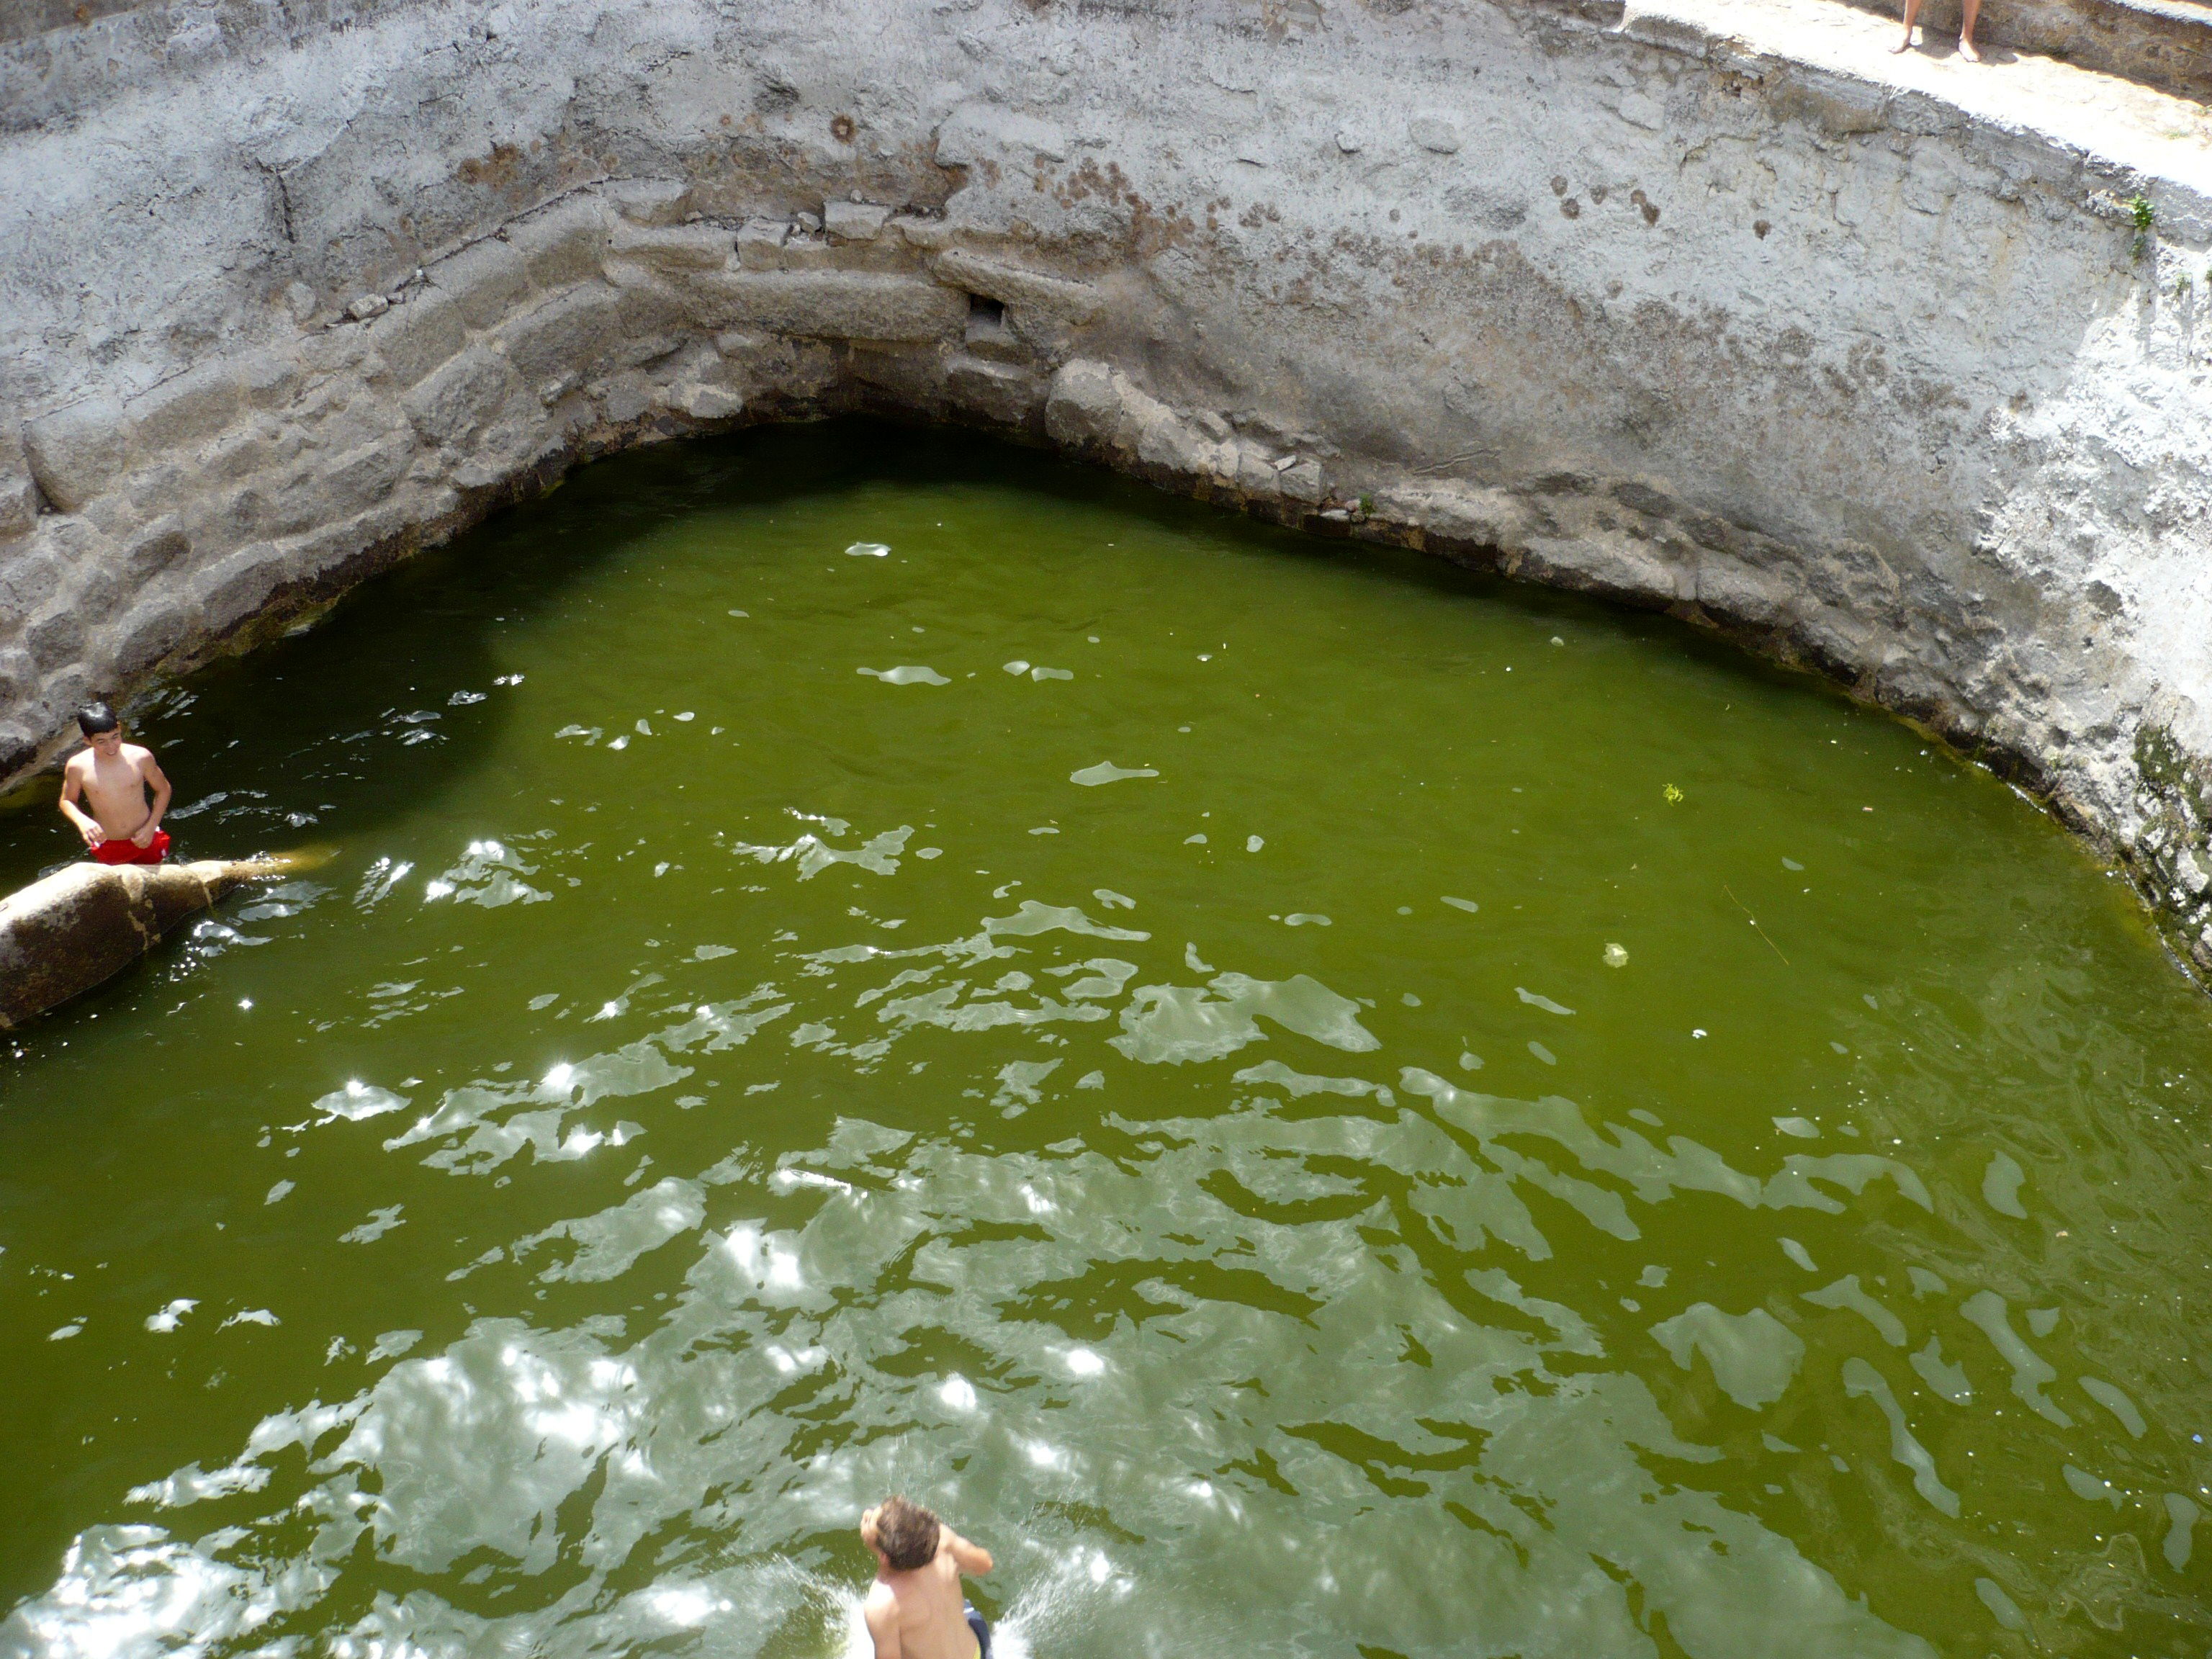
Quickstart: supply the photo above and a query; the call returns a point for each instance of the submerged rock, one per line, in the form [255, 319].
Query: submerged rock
[81, 927]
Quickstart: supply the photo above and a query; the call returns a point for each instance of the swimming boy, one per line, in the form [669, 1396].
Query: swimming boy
[914, 1610]
[113, 776]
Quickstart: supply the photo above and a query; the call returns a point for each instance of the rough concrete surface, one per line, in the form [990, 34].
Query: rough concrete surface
[1865, 361]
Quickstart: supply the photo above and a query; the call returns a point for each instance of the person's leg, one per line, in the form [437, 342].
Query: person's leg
[1970, 10]
[1912, 11]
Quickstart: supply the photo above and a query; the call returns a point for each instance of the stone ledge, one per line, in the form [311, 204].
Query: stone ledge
[2164, 44]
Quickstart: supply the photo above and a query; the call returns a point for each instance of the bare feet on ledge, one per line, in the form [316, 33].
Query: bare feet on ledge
[1968, 12]
[1966, 49]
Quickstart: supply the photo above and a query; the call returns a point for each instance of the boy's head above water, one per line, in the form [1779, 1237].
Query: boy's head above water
[902, 1532]
[97, 721]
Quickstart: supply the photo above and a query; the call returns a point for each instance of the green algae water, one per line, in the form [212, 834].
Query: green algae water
[1315, 1104]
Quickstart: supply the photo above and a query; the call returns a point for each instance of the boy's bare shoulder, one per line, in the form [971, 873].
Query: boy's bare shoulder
[137, 754]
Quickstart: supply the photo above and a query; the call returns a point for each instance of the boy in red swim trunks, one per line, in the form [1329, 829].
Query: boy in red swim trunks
[113, 776]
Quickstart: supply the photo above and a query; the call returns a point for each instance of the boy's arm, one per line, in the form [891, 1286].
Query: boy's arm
[881, 1615]
[971, 1559]
[150, 770]
[87, 826]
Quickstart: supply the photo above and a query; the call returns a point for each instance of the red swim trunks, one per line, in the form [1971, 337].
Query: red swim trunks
[123, 850]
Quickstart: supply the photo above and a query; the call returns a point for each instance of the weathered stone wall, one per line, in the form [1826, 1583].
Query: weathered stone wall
[1870, 377]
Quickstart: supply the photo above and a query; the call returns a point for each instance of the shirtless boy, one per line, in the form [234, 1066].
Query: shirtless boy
[114, 777]
[914, 1610]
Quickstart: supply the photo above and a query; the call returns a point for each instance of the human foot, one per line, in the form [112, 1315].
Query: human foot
[1967, 51]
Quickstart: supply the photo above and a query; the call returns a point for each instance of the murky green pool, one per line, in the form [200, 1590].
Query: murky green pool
[853, 961]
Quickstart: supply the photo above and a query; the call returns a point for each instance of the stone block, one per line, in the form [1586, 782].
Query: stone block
[562, 244]
[1257, 475]
[1160, 438]
[66, 690]
[841, 305]
[18, 503]
[267, 380]
[185, 412]
[1302, 483]
[18, 748]
[708, 402]
[234, 588]
[147, 633]
[560, 344]
[626, 399]
[758, 239]
[265, 506]
[78, 453]
[676, 249]
[1083, 406]
[1055, 296]
[1458, 513]
[488, 282]
[996, 391]
[797, 252]
[363, 477]
[54, 638]
[155, 549]
[912, 379]
[414, 338]
[461, 397]
[989, 336]
[854, 221]
[653, 317]
[337, 552]
[649, 201]
[238, 454]
[1437, 134]
[29, 576]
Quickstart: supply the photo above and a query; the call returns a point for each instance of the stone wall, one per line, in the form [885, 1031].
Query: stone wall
[1866, 374]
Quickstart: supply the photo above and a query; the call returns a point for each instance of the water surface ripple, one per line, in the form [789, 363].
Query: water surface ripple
[1313, 1104]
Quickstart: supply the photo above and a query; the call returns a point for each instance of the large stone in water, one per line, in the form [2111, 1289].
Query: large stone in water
[74, 930]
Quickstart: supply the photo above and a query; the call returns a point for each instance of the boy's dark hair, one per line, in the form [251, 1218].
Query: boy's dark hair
[906, 1533]
[95, 718]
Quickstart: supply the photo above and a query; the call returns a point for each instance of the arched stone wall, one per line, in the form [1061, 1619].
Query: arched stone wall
[1866, 366]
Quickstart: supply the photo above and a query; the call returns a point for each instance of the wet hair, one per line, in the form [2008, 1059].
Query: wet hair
[95, 718]
[906, 1533]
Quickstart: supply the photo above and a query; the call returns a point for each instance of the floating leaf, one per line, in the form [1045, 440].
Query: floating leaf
[1107, 771]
